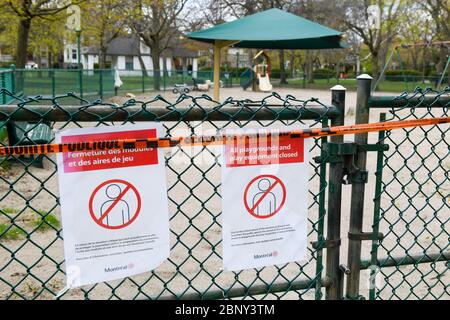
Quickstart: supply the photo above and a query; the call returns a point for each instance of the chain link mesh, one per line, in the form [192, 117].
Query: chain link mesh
[31, 239]
[413, 214]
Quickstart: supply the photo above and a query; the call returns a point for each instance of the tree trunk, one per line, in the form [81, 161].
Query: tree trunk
[375, 69]
[424, 65]
[164, 66]
[22, 43]
[141, 63]
[282, 68]
[39, 62]
[102, 57]
[50, 60]
[292, 63]
[442, 60]
[309, 67]
[156, 68]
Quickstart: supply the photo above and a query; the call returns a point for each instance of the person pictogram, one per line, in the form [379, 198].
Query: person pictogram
[114, 204]
[120, 212]
[264, 196]
[264, 202]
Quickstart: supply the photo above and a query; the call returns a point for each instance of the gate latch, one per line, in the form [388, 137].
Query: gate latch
[344, 152]
[366, 236]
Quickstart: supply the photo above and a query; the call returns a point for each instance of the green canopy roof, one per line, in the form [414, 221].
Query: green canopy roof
[273, 29]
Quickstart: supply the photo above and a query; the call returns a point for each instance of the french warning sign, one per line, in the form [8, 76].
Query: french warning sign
[113, 203]
[264, 201]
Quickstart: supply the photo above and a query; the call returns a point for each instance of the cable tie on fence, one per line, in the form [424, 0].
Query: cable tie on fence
[188, 141]
[61, 292]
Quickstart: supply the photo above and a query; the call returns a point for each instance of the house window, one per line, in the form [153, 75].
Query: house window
[129, 63]
[74, 54]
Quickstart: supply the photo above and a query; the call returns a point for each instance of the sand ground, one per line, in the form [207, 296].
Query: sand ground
[414, 208]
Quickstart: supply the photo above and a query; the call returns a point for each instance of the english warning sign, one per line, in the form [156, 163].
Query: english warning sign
[113, 203]
[264, 201]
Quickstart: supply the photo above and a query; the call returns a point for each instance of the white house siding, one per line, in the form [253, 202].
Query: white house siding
[91, 60]
[194, 67]
[120, 64]
[147, 63]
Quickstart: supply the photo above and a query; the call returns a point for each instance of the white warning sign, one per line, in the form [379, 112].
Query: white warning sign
[264, 201]
[113, 203]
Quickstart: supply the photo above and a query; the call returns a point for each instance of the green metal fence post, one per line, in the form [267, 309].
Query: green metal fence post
[13, 78]
[80, 81]
[164, 80]
[142, 80]
[101, 83]
[377, 209]
[304, 80]
[322, 213]
[333, 272]
[364, 82]
[53, 83]
[3, 85]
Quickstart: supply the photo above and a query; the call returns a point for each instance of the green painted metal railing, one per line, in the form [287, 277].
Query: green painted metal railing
[99, 83]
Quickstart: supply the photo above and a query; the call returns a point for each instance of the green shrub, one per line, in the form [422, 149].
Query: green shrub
[402, 75]
[324, 73]
[6, 64]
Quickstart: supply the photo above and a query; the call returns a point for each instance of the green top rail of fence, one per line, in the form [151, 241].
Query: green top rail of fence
[419, 98]
[186, 108]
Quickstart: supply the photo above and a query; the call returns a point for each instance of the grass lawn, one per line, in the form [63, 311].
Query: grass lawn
[350, 84]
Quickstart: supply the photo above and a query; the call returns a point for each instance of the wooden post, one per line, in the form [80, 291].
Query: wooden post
[218, 46]
[216, 79]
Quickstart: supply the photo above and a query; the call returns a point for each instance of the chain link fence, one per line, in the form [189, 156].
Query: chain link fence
[410, 190]
[31, 239]
[94, 84]
[412, 201]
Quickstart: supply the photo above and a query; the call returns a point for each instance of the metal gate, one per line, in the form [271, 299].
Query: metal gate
[409, 237]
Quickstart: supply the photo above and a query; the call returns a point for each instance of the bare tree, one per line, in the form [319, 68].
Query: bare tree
[156, 23]
[440, 12]
[104, 21]
[378, 40]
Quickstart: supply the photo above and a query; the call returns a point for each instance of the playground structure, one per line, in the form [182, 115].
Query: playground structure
[270, 29]
[396, 50]
[258, 76]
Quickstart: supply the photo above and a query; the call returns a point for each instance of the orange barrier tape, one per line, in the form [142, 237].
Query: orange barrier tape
[212, 140]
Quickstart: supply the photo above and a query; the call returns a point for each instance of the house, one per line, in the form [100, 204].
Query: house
[123, 53]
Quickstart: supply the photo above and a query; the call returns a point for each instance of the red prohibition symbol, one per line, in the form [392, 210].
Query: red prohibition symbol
[114, 204]
[264, 196]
